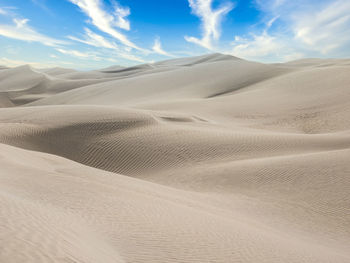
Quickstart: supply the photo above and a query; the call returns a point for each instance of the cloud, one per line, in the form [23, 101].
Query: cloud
[95, 40]
[20, 30]
[318, 26]
[74, 53]
[257, 47]
[327, 30]
[20, 23]
[304, 28]
[270, 5]
[210, 21]
[121, 13]
[42, 5]
[106, 22]
[15, 63]
[100, 56]
[12, 49]
[131, 57]
[293, 56]
[263, 45]
[2, 12]
[157, 48]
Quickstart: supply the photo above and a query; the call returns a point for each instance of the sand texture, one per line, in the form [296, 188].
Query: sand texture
[202, 159]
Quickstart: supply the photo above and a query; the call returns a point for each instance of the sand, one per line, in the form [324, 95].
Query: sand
[203, 159]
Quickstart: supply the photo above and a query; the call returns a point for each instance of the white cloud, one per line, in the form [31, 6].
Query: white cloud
[317, 26]
[112, 60]
[12, 49]
[257, 47]
[95, 40]
[210, 21]
[121, 13]
[270, 5]
[327, 30]
[100, 56]
[15, 63]
[157, 48]
[305, 28]
[74, 53]
[131, 57]
[105, 21]
[21, 31]
[261, 46]
[264, 47]
[270, 22]
[2, 12]
[293, 56]
[20, 23]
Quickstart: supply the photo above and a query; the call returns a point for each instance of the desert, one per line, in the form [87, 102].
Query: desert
[176, 161]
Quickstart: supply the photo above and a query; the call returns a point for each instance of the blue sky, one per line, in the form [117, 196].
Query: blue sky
[89, 34]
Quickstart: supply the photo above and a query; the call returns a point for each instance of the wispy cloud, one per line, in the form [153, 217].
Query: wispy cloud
[256, 47]
[260, 46]
[264, 47]
[2, 12]
[157, 48]
[92, 39]
[43, 6]
[210, 21]
[96, 40]
[20, 30]
[105, 21]
[131, 57]
[321, 26]
[77, 53]
[44, 64]
[15, 63]
[305, 28]
[327, 29]
[120, 16]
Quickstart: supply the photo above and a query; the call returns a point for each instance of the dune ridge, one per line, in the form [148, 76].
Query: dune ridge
[203, 159]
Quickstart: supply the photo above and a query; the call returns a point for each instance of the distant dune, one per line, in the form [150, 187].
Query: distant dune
[203, 159]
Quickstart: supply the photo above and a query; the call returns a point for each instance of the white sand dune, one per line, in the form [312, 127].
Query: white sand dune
[204, 159]
[167, 81]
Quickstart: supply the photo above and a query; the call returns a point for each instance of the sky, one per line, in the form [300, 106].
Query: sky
[87, 34]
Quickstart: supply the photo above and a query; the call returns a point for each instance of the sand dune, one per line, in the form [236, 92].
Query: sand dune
[23, 84]
[172, 80]
[203, 159]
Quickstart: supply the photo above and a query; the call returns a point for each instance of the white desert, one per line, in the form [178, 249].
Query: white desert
[202, 159]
